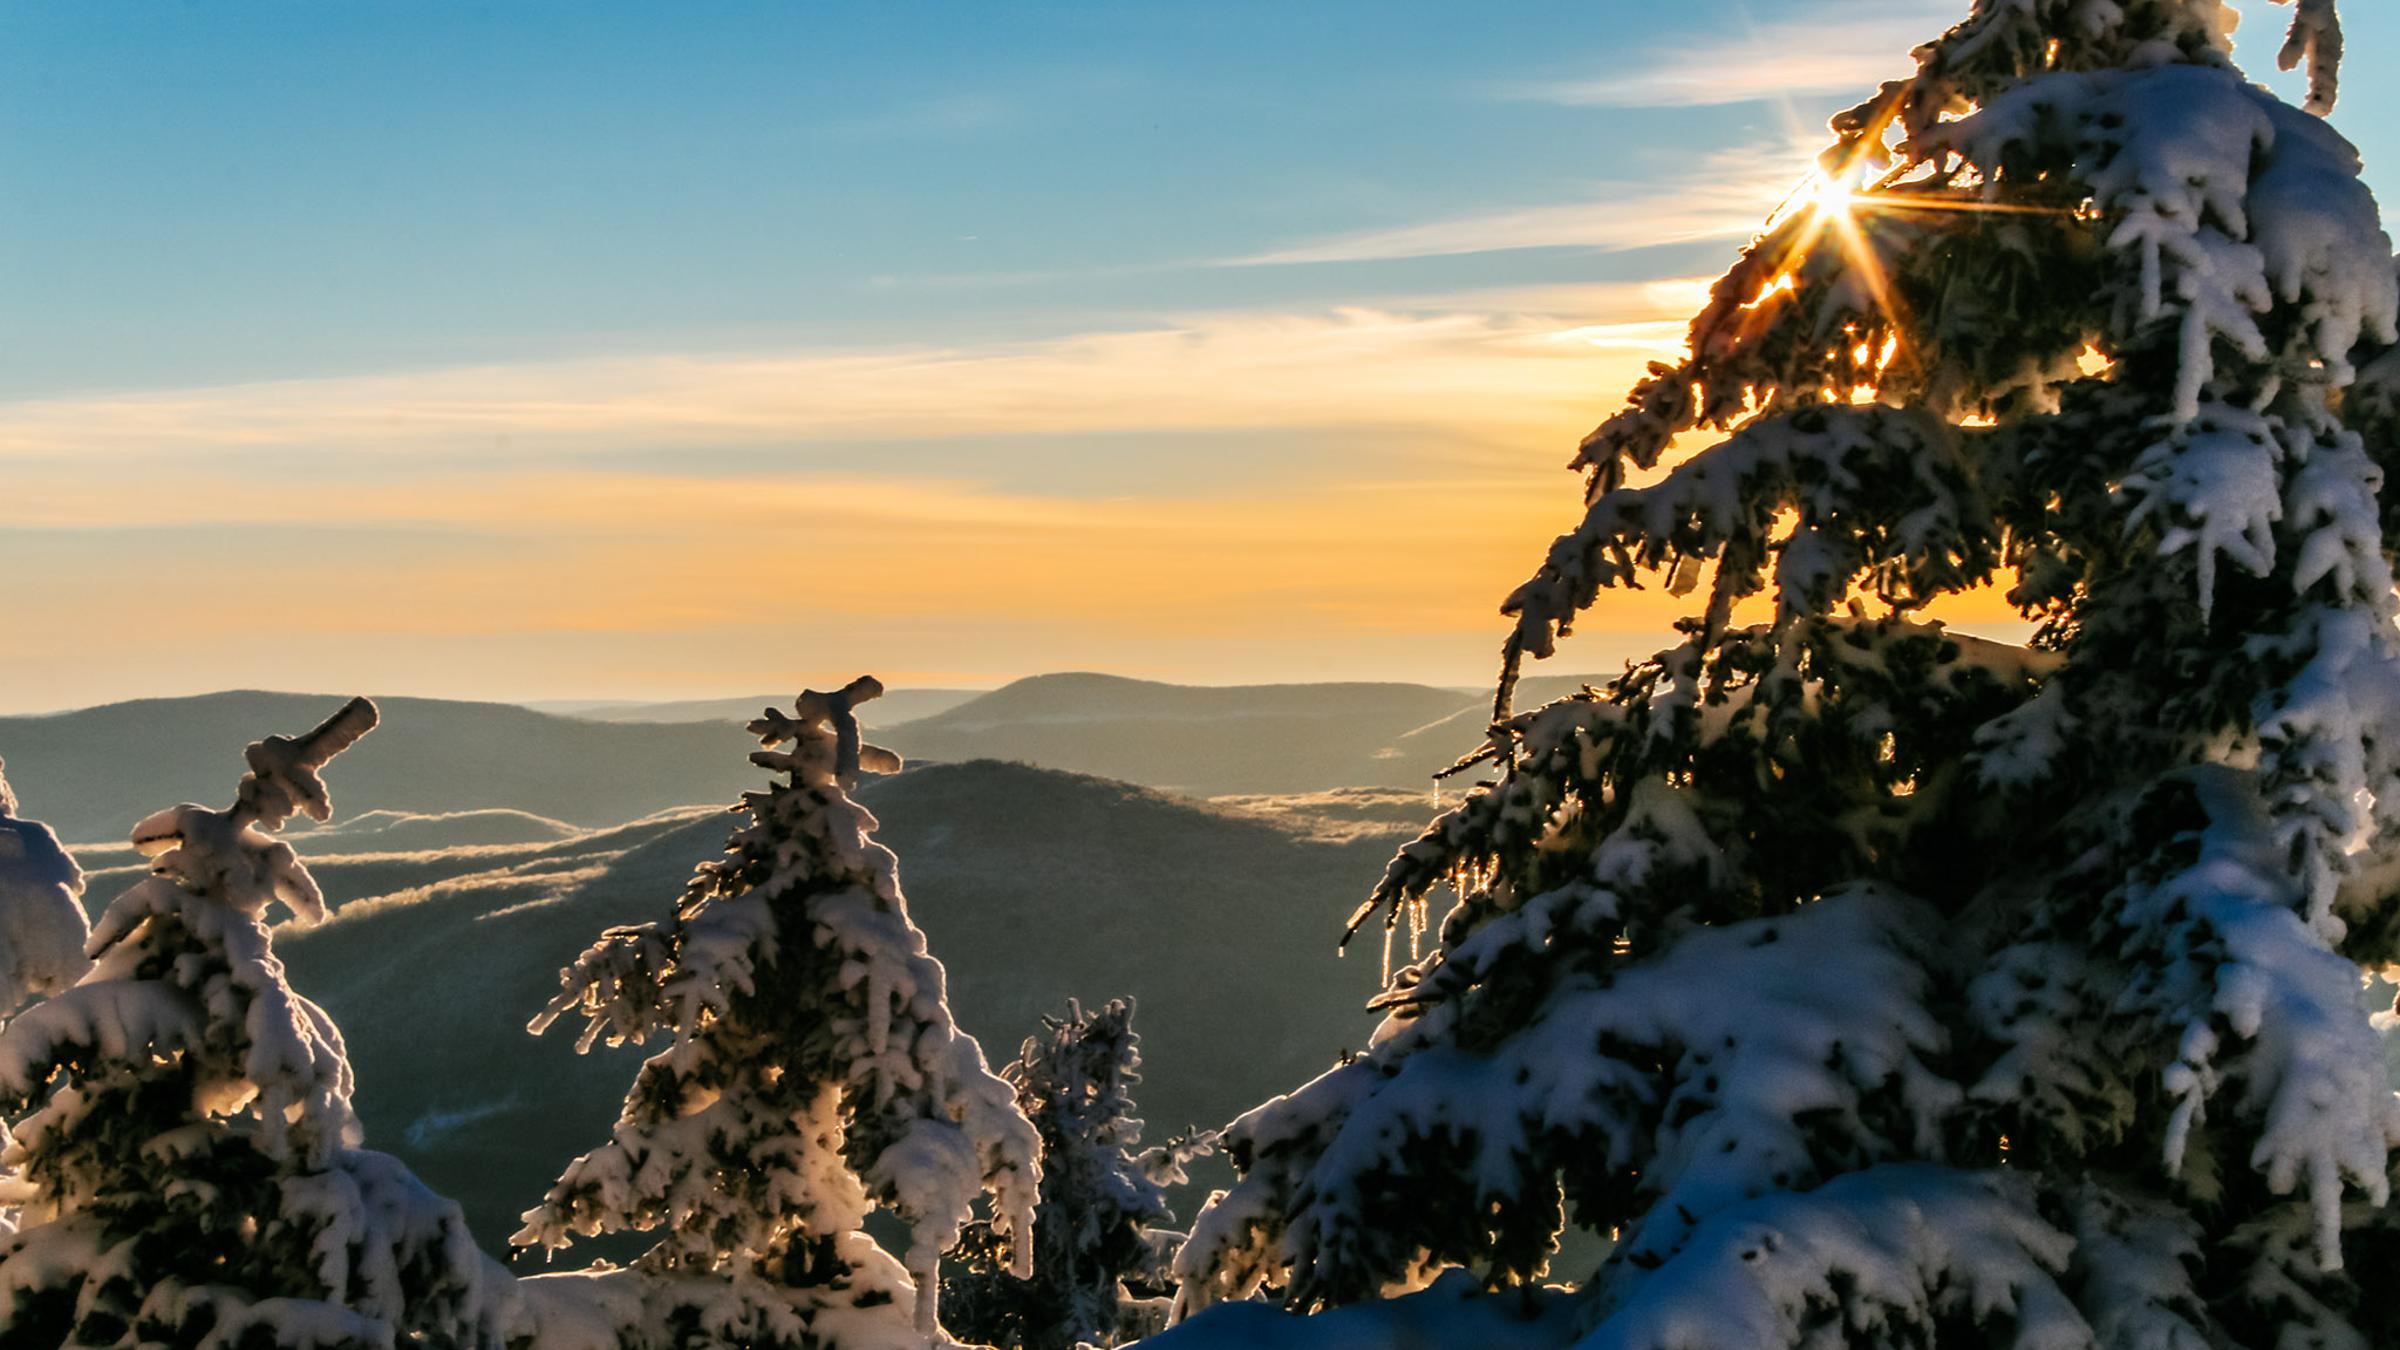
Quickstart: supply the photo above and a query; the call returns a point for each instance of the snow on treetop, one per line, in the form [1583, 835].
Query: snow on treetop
[823, 731]
[233, 853]
[283, 769]
[42, 927]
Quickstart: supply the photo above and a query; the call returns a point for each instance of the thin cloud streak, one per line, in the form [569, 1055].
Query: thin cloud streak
[1795, 58]
[1729, 197]
[1493, 373]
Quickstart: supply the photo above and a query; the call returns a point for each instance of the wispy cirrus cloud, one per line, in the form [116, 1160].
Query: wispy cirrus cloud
[947, 115]
[1208, 491]
[1854, 47]
[1497, 366]
[1728, 195]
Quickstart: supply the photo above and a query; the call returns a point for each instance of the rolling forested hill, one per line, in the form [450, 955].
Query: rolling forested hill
[1034, 886]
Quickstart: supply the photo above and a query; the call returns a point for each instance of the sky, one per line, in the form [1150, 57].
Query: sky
[617, 350]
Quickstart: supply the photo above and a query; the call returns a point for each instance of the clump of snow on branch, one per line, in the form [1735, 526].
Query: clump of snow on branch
[2228, 205]
[2271, 1009]
[42, 925]
[1883, 1256]
[1656, 1075]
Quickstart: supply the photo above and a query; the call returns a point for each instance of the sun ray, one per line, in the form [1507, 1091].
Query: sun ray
[1836, 203]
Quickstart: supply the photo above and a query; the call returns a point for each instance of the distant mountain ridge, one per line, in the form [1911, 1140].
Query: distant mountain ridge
[1208, 740]
[1078, 695]
[896, 706]
[91, 773]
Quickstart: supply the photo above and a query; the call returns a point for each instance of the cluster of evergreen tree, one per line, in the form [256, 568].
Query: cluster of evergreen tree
[182, 1166]
[1861, 982]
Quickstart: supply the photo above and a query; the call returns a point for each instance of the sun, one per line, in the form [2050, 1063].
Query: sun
[1830, 195]
[1833, 208]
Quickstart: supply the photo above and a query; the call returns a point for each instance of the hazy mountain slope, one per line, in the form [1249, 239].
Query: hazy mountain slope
[1036, 885]
[91, 774]
[1032, 885]
[1342, 815]
[432, 987]
[1206, 741]
[448, 765]
[451, 829]
[1445, 740]
[351, 870]
[896, 706]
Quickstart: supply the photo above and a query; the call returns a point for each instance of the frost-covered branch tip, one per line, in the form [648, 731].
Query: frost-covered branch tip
[233, 853]
[823, 730]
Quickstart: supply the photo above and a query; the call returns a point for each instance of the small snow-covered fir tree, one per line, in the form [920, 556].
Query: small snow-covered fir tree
[1879, 986]
[185, 1153]
[1103, 1255]
[814, 1073]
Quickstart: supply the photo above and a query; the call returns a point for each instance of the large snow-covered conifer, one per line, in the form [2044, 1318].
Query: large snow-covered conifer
[814, 1072]
[1875, 985]
[185, 1153]
[1102, 1249]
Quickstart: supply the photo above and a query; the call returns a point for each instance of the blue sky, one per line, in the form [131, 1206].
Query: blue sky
[626, 350]
[210, 191]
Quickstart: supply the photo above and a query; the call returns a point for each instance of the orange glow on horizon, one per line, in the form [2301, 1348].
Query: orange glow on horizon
[1379, 481]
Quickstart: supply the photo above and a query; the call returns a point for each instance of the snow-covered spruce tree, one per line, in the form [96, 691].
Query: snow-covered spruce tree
[185, 1153]
[42, 926]
[1878, 986]
[1103, 1254]
[814, 1073]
